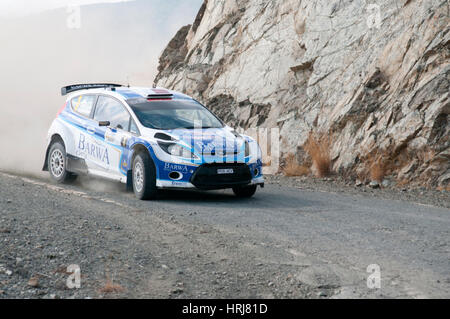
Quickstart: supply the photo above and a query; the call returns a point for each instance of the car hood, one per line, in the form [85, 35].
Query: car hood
[210, 141]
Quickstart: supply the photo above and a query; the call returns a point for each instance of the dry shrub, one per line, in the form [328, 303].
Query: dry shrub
[380, 163]
[292, 168]
[111, 287]
[318, 147]
[362, 176]
[402, 160]
[444, 188]
[377, 165]
[267, 164]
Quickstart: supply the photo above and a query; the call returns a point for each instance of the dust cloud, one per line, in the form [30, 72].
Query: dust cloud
[39, 54]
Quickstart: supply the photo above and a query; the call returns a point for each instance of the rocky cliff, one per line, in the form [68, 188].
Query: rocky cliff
[374, 75]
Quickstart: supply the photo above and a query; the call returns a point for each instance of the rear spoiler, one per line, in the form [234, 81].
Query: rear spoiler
[77, 87]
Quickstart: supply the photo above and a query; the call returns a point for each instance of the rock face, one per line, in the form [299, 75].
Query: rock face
[375, 77]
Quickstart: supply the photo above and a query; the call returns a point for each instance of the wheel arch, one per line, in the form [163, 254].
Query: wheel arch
[55, 138]
[135, 150]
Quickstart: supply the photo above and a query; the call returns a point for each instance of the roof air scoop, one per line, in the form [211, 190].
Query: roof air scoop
[160, 94]
[153, 97]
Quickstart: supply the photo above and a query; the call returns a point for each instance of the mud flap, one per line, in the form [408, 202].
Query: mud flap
[130, 181]
[45, 167]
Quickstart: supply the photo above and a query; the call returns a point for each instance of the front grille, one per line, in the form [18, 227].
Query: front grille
[206, 176]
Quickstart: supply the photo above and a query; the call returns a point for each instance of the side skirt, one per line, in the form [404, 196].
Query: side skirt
[76, 165]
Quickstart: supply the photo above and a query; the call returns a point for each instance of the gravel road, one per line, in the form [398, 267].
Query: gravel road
[291, 241]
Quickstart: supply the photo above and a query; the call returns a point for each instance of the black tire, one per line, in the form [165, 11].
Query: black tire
[144, 177]
[245, 192]
[57, 164]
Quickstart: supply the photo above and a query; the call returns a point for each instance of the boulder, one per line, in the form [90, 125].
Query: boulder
[318, 65]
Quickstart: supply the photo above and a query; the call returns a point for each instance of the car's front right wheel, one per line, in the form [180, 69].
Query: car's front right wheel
[144, 177]
[245, 191]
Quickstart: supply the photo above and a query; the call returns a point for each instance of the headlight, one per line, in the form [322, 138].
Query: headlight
[176, 150]
[252, 148]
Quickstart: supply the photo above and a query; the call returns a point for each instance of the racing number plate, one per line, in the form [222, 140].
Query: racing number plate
[225, 171]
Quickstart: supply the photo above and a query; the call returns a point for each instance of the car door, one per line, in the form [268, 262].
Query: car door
[115, 136]
[82, 128]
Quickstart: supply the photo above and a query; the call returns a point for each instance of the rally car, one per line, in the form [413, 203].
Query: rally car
[149, 139]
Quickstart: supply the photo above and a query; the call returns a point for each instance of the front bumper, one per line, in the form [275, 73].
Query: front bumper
[206, 177]
[163, 184]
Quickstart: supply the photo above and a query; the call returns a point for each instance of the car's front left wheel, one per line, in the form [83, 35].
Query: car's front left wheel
[144, 177]
[57, 164]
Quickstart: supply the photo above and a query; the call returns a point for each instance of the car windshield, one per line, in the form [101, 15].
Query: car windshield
[173, 114]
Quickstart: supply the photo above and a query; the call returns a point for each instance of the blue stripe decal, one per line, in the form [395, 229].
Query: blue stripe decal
[100, 138]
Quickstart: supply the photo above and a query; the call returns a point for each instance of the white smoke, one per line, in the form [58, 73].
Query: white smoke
[17, 8]
[39, 54]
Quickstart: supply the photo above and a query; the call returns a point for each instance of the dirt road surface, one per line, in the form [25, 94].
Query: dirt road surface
[286, 242]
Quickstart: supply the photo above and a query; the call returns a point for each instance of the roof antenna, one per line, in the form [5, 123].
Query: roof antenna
[128, 80]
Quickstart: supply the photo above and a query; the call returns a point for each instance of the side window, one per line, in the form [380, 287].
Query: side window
[109, 109]
[83, 104]
[133, 128]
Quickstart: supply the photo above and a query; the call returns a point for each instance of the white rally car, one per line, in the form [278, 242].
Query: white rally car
[150, 139]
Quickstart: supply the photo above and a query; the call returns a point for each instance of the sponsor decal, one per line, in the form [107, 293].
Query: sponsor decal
[175, 168]
[124, 141]
[92, 150]
[109, 136]
[77, 105]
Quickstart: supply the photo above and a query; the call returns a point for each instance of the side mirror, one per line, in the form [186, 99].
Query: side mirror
[104, 123]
